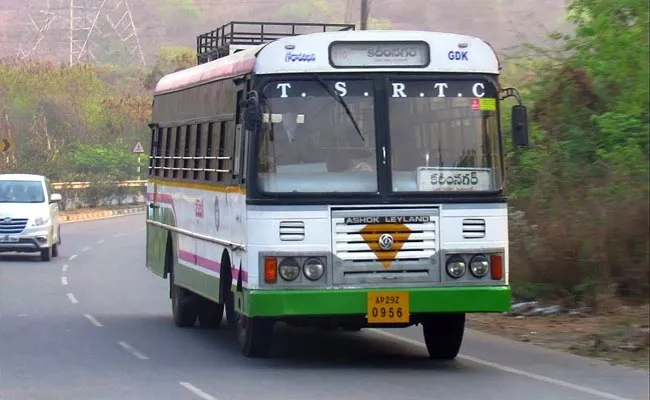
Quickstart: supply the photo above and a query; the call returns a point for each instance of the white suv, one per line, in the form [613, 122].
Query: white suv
[29, 215]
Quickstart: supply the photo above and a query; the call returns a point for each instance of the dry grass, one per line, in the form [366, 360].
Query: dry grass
[586, 250]
[619, 336]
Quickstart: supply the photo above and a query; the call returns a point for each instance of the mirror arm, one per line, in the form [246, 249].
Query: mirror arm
[511, 92]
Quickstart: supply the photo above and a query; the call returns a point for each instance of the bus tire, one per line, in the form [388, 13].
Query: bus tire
[227, 296]
[443, 335]
[255, 335]
[210, 313]
[184, 302]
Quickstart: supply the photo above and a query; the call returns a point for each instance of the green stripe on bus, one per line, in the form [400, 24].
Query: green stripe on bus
[197, 281]
[354, 301]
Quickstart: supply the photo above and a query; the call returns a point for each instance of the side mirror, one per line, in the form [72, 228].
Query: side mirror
[520, 126]
[55, 198]
[252, 116]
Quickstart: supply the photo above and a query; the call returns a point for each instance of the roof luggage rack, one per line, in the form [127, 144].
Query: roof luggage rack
[239, 35]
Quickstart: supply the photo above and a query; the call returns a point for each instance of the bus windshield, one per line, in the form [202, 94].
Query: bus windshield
[309, 143]
[443, 136]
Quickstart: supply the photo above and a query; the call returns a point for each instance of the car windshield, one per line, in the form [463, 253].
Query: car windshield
[309, 143]
[444, 136]
[21, 192]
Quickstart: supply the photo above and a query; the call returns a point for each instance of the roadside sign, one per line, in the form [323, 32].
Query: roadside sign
[7, 144]
[138, 147]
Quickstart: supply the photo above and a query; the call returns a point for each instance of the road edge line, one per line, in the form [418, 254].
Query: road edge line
[511, 370]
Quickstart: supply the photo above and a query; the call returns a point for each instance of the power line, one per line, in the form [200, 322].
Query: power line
[85, 21]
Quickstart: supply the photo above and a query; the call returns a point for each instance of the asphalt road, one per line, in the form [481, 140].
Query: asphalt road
[95, 324]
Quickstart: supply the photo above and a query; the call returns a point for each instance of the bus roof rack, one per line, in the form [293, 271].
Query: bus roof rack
[239, 35]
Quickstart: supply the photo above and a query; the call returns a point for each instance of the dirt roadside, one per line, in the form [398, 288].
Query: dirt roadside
[620, 336]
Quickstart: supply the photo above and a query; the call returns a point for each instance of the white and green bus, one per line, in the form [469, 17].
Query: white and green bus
[342, 178]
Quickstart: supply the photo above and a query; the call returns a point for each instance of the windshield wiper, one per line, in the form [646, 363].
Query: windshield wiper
[342, 102]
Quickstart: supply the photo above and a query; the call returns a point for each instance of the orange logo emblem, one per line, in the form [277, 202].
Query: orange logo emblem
[385, 240]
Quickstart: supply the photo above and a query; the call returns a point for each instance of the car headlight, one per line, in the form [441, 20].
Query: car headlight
[289, 269]
[456, 267]
[313, 269]
[479, 266]
[40, 221]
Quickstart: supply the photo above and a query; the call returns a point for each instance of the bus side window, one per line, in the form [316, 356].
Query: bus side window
[210, 152]
[180, 151]
[158, 161]
[237, 159]
[224, 163]
[152, 152]
[168, 152]
[199, 152]
[176, 165]
[190, 136]
[245, 145]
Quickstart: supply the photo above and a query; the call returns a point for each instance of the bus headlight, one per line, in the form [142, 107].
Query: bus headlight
[313, 268]
[479, 266]
[289, 269]
[456, 267]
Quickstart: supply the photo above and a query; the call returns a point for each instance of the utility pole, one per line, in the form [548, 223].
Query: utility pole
[364, 15]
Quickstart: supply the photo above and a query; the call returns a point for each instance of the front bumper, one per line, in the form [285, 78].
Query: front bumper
[28, 242]
[342, 302]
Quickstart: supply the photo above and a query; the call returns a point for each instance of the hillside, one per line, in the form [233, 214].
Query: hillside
[501, 22]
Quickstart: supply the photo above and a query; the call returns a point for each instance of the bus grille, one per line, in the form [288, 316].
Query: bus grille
[359, 258]
[13, 226]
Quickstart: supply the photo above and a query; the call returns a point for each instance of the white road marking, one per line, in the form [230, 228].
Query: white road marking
[511, 370]
[119, 234]
[140, 230]
[64, 268]
[85, 248]
[200, 393]
[72, 257]
[100, 241]
[133, 351]
[64, 280]
[73, 300]
[93, 320]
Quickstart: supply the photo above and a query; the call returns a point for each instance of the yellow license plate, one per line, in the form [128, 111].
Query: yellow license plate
[388, 307]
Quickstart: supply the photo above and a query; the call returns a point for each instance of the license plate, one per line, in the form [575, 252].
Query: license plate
[9, 238]
[388, 307]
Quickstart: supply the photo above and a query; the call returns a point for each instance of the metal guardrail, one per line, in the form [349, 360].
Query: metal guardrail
[85, 185]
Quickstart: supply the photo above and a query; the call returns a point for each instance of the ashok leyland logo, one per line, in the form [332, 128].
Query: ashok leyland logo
[386, 241]
[299, 57]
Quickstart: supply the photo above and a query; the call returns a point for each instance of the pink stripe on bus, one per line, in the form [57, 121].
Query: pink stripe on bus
[187, 256]
[208, 264]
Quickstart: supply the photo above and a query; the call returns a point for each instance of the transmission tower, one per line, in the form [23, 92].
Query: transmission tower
[86, 24]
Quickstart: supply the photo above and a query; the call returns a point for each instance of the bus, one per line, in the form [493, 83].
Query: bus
[334, 178]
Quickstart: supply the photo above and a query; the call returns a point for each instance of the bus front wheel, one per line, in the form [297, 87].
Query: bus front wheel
[443, 335]
[255, 335]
